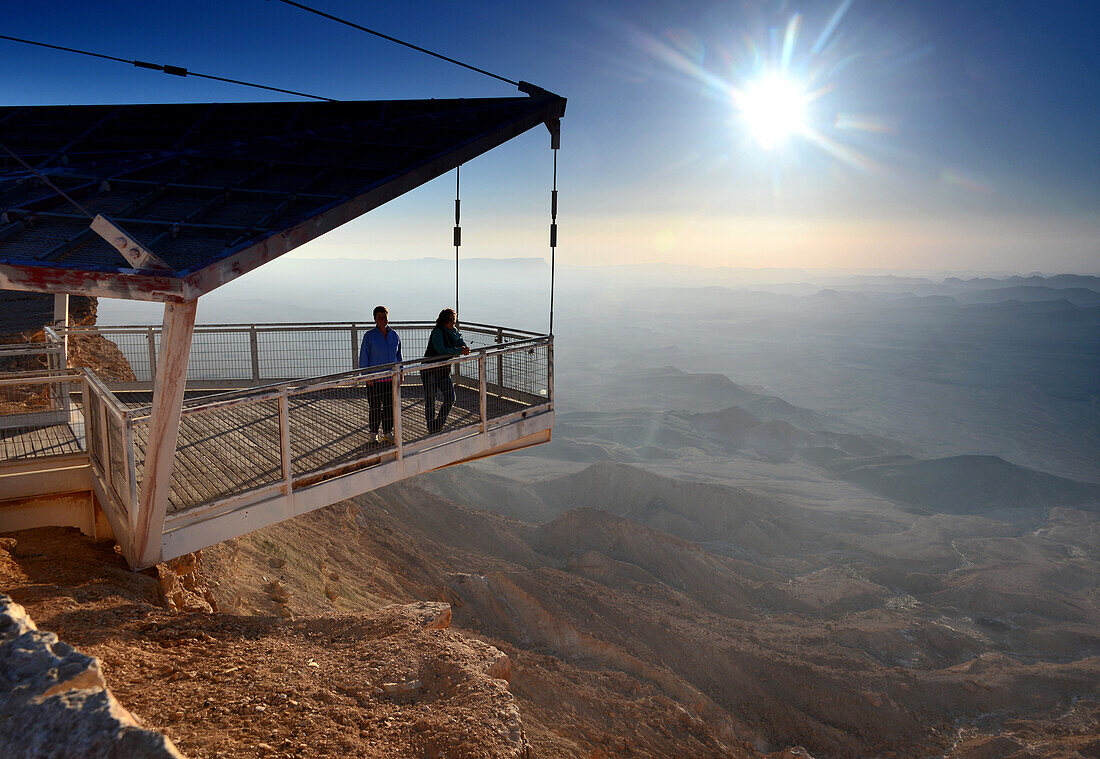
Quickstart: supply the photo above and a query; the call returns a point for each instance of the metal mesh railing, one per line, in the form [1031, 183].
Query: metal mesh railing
[519, 376]
[40, 415]
[329, 424]
[218, 356]
[440, 397]
[290, 353]
[44, 356]
[254, 354]
[298, 433]
[94, 432]
[526, 371]
[110, 444]
[117, 453]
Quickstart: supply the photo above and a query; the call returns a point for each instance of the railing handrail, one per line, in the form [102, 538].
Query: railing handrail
[96, 385]
[39, 377]
[478, 325]
[312, 384]
[17, 349]
[298, 326]
[53, 337]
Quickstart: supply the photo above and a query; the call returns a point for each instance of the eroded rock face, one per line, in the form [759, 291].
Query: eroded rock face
[54, 701]
[101, 356]
[87, 348]
[183, 587]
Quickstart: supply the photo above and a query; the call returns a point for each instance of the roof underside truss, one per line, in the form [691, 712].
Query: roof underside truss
[215, 190]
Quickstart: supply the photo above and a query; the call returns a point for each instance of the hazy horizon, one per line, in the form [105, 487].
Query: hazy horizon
[820, 271]
[979, 365]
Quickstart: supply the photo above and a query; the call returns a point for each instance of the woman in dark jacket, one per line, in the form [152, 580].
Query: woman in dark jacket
[445, 342]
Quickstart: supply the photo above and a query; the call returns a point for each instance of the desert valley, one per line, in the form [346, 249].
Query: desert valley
[876, 536]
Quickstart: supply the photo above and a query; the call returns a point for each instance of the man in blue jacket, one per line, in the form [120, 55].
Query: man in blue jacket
[381, 346]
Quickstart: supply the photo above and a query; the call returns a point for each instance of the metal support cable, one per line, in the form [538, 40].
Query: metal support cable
[165, 68]
[249, 84]
[553, 236]
[353, 25]
[458, 230]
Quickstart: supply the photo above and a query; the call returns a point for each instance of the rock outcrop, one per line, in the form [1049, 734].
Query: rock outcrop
[54, 701]
[87, 349]
[183, 587]
[93, 350]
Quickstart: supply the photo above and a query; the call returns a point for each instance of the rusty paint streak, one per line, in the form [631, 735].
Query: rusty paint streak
[129, 286]
[306, 482]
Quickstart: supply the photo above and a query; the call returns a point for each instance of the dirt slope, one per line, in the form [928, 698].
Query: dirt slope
[642, 638]
[623, 640]
[381, 684]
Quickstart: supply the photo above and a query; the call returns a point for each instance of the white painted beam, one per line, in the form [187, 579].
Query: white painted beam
[127, 284]
[179, 323]
[61, 318]
[60, 475]
[136, 254]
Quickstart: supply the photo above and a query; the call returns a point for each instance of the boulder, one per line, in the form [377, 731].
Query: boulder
[794, 752]
[499, 666]
[54, 701]
[404, 688]
[431, 615]
[180, 588]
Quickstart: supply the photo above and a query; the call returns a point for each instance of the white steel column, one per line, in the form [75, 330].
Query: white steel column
[398, 428]
[284, 443]
[61, 318]
[482, 392]
[175, 349]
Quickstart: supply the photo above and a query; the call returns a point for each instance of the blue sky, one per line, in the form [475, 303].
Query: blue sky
[939, 135]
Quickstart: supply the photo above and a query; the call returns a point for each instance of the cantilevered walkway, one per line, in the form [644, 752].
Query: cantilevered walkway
[274, 422]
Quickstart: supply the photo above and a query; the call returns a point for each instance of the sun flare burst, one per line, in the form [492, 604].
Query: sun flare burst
[773, 108]
[794, 96]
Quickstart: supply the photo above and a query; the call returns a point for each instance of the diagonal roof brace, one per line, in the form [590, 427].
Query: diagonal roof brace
[138, 256]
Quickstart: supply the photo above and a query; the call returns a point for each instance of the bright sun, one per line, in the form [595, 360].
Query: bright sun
[772, 107]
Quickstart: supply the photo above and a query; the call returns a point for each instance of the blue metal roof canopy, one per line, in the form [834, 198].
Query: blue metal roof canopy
[213, 190]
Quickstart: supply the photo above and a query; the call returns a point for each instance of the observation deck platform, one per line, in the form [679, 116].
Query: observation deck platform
[274, 423]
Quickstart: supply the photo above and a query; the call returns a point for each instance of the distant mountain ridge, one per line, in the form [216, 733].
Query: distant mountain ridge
[775, 432]
[1078, 296]
[967, 484]
[639, 423]
[669, 388]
